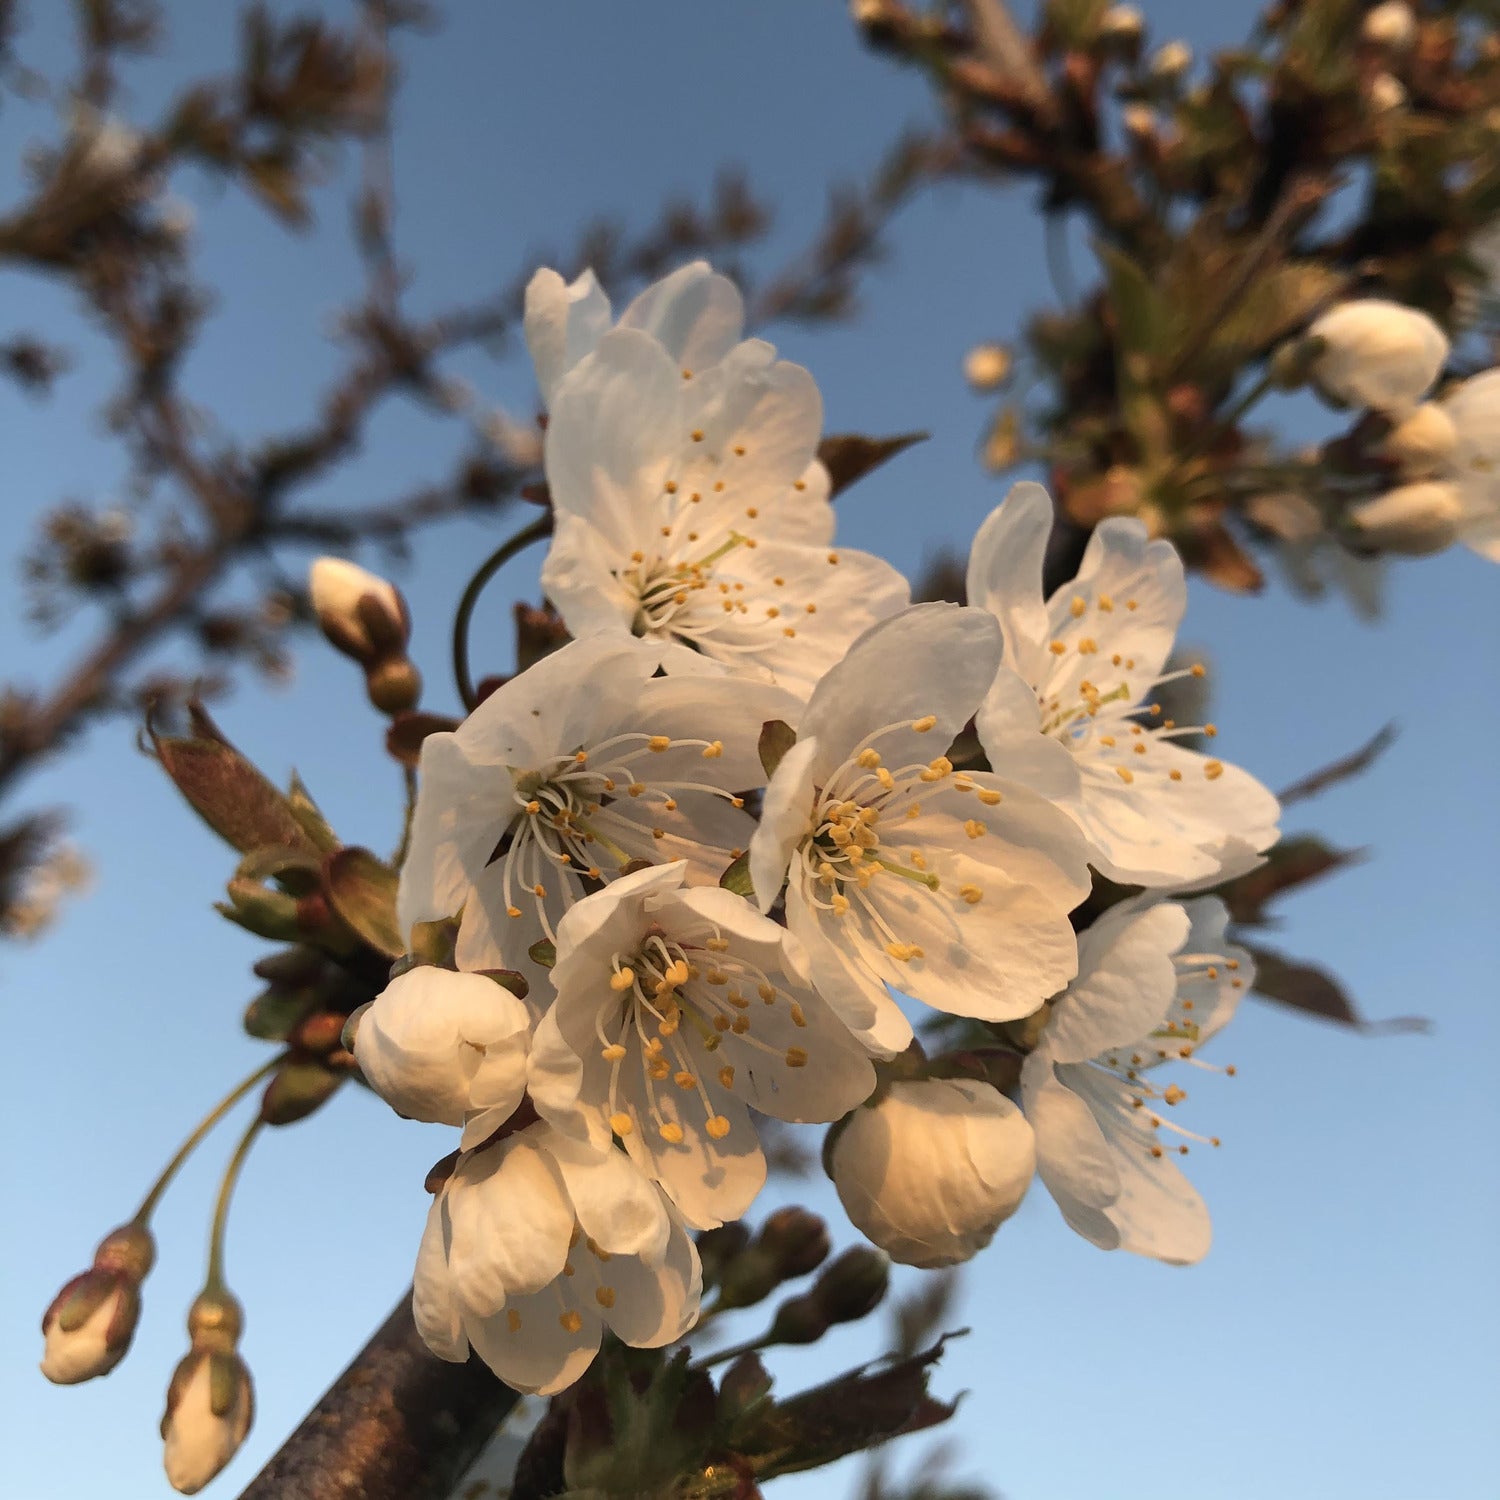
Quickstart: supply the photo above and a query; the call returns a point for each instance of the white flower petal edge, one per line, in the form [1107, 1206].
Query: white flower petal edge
[568, 772]
[695, 314]
[1153, 813]
[1474, 465]
[1155, 982]
[1379, 354]
[693, 514]
[436, 1045]
[903, 874]
[537, 1244]
[678, 1010]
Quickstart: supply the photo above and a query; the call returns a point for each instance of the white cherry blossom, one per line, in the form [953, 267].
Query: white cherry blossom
[446, 1048]
[1155, 982]
[677, 1010]
[1474, 464]
[568, 772]
[538, 1243]
[1085, 664]
[904, 873]
[930, 1170]
[694, 314]
[691, 512]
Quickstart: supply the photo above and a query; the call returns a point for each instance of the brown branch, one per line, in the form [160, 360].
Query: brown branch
[398, 1424]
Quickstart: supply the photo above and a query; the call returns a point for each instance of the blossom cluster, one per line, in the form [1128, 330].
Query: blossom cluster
[708, 860]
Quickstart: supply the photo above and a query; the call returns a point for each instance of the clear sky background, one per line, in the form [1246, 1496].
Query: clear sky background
[1341, 1337]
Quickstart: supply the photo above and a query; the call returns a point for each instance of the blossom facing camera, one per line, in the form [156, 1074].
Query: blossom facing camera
[537, 1244]
[361, 613]
[932, 1169]
[1081, 667]
[211, 1399]
[679, 1010]
[91, 1321]
[1414, 519]
[1377, 354]
[446, 1048]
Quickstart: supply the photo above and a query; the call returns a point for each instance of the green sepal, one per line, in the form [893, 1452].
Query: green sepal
[362, 890]
[776, 738]
[737, 878]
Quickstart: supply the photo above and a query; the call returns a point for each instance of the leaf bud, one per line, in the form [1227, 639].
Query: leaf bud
[799, 1320]
[91, 1321]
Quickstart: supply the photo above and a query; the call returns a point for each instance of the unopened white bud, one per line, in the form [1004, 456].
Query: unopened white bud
[1424, 442]
[1377, 354]
[1122, 23]
[1386, 93]
[338, 588]
[437, 1046]
[92, 1347]
[868, 12]
[930, 1171]
[1391, 25]
[1415, 519]
[987, 366]
[1138, 122]
[1171, 61]
[208, 1418]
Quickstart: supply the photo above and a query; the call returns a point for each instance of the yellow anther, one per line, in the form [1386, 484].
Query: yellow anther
[533, 807]
[697, 434]
[1211, 730]
[989, 796]
[622, 979]
[1106, 603]
[1139, 747]
[670, 805]
[739, 451]
[971, 893]
[713, 751]
[1058, 648]
[671, 486]
[937, 768]
[604, 1296]
[513, 911]
[716, 976]
[740, 1025]
[833, 559]
[1198, 669]
[685, 1080]
[717, 945]
[1126, 776]
[1231, 963]
[1174, 775]
[1132, 604]
[512, 1320]
[884, 777]
[926, 722]
[1087, 646]
[636, 788]
[799, 485]
[914, 811]
[975, 829]
[637, 557]
[717, 1126]
[789, 631]
[903, 952]
[1174, 1095]
[621, 1123]
[796, 1057]
[1107, 739]
[658, 833]
[1077, 607]
[737, 1000]
[612, 1053]
[1214, 769]
[772, 611]
[840, 905]
[671, 1132]
[539, 890]
[572, 1321]
[869, 759]
[799, 1016]
[659, 742]
[721, 1023]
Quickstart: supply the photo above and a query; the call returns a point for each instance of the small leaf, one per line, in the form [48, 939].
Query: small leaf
[543, 952]
[308, 814]
[362, 890]
[299, 1087]
[1293, 862]
[508, 979]
[776, 738]
[225, 790]
[274, 1013]
[1314, 991]
[737, 878]
[1353, 764]
[849, 457]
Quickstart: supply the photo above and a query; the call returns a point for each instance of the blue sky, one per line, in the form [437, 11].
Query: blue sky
[1341, 1337]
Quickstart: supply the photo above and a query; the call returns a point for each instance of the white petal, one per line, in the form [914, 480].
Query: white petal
[433, 1308]
[563, 322]
[696, 315]
[785, 820]
[932, 660]
[579, 577]
[1005, 572]
[617, 1206]
[1073, 1158]
[655, 1304]
[538, 1354]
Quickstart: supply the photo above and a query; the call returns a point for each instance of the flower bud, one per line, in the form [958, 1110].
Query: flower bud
[1138, 122]
[931, 1170]
[798, 1241]
[1424, 443]
[987, 366]
[91, 1321]
[1121, 27]
[1387, 92]
[361, 613]
[853, 1286]
[394, 685]
[1414, 519]
[1171, 61]
[211, 1400]
[1377, 354]
[1390, 25]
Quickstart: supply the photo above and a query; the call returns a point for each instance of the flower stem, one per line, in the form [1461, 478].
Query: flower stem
[191, 1144]
[734, 1351]
[540, 528]
[215, 1279]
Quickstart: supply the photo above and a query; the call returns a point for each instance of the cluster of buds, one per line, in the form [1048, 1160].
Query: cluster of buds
[211, 1400]
[366, 618]
[92, 1320]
